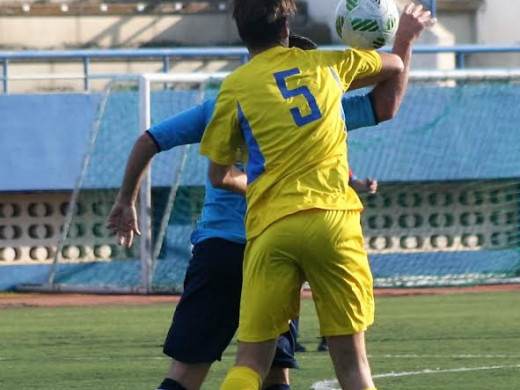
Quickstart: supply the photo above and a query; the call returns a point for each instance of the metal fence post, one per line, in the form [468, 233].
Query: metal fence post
[433, 8]
[5, 74]
[166, 64]
[86, 81]
[459, 60]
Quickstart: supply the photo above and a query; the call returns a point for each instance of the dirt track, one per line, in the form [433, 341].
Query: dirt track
[60, 299]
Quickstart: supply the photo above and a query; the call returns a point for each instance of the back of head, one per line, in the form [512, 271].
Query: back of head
[261, 23]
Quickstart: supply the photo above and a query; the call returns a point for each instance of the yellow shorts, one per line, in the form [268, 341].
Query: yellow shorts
[323, 247]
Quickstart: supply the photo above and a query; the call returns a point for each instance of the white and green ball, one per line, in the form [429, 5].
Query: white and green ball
[367, 24]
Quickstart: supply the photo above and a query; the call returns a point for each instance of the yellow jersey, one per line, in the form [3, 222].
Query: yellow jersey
[285, 107]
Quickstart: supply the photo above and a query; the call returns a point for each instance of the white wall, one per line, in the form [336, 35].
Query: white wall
[462, 25]
[497, 22]
[52, 32]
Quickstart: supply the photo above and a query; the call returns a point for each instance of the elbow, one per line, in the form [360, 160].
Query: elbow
[385, 107]
[217, 176]
[398, 67]
[148, 143]
[217, 181]
[392, 65]
[387, 112]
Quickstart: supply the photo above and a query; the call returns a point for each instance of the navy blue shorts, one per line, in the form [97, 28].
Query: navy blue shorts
[206, 317]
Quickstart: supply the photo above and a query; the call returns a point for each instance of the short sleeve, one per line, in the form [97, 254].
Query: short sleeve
[184, 128]
[222, 136]
[354, 64]
[359, 111]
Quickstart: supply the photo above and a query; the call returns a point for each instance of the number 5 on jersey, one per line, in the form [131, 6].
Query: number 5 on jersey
[299, 119]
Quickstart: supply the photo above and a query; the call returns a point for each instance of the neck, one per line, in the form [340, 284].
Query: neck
[254, 51]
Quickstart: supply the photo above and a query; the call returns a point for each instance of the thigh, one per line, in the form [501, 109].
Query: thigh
[206, 317]
[337, 269]
[271, 286]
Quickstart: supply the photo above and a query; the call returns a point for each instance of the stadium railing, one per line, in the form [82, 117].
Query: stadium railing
[166, 55]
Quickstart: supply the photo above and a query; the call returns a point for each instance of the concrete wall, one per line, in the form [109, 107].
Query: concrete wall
[497, 23]
[472, 21]
[460, 24]
[54, 32]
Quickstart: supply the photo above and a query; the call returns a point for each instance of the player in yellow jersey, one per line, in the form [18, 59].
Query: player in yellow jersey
[302, 221]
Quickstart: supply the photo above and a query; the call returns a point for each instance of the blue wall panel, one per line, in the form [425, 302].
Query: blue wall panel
[43, 139]
[451, 133]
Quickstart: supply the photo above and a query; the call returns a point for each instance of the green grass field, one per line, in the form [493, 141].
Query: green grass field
[443, 342]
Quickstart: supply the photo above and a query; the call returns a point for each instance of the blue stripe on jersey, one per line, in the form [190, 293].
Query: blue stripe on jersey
[336, 77]
[342, 110]
[255, 161]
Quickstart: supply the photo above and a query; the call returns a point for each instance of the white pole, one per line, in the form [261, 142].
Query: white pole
[145, 193]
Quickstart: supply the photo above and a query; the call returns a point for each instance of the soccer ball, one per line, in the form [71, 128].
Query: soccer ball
[366, 24]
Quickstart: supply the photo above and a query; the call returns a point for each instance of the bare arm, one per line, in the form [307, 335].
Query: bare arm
[122, 219]
[388, 95]
[227, 178]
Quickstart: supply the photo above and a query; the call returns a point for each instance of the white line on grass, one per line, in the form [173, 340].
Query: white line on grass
[467, 356]
[307, 357]
[414, 356]
[333, 384]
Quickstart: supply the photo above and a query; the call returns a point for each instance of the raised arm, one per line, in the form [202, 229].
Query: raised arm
[388, 95]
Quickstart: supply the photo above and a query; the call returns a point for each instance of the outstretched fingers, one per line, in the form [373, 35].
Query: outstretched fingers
[427, 20]
[408, 9]
[125, 238]
[417, 10]
[123, 224]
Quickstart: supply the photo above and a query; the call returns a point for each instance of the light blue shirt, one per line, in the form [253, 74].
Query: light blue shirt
[223, 212]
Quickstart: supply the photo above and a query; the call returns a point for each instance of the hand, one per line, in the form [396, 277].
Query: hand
[371, 185]
[413, 21]
[122, 221]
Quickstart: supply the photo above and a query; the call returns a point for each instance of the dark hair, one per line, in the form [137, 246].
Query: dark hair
[260, 22]
[302, 42]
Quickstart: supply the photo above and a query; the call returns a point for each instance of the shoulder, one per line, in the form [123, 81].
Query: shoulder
[235, 77]
[365, 54]
[347, 54]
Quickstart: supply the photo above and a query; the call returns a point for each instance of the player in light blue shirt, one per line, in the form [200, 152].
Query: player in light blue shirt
[223, 211]
[206, 317]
